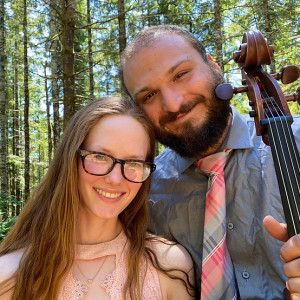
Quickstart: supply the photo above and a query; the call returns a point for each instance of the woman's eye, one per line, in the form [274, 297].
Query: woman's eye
[100, 157]
[134, 164]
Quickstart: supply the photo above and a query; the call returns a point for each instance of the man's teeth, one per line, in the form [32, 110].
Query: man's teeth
[108, 195]
[179, 116]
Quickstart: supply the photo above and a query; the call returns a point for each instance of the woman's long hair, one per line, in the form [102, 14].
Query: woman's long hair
[46, 227]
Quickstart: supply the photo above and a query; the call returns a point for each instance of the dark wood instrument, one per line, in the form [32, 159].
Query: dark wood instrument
[272, 117]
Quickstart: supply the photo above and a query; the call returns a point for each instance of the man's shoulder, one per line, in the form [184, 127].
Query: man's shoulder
[9, 264]
[166, 154]
[296, 119]
[166, 164]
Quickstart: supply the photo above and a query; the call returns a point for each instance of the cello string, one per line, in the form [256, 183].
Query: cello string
[286, 128]
[270, 107]
[271, 135]
[280, 167]
[290, 136]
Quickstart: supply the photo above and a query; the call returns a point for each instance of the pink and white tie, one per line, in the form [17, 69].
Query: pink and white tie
[217, 279]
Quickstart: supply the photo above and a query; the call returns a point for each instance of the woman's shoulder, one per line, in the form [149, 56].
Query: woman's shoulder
[176, 259]
[9, 264]
[170, 254]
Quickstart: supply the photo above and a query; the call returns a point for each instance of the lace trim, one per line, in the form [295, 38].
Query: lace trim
[113, 283]
[73, 290]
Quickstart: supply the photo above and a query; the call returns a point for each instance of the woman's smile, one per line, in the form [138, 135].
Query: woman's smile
[108, 195]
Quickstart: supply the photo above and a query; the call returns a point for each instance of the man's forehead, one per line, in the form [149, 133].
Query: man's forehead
[163, 51]
[159, 39]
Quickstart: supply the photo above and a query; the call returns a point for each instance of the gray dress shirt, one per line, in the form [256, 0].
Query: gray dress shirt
[177, 203]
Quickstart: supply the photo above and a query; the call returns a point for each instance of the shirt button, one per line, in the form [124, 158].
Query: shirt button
[245, 275]
[230, 226]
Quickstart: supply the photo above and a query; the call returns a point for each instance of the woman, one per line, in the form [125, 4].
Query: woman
[82, 234]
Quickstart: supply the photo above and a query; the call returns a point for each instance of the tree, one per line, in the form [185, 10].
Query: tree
[26, 105]
[68, 18]
[122, 28]
[16, 133]
[266, 26]
[3, 148]
[90, 51]
[48, 116]
[54, 71]
[218, 34]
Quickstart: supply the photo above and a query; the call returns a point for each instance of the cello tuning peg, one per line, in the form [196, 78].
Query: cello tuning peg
[288, 74]
[294, 97]
[224, 91]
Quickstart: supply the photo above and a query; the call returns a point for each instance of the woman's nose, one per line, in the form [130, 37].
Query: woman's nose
[115, 175]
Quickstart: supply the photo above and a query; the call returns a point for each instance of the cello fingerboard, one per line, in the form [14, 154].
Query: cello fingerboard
[287, 165]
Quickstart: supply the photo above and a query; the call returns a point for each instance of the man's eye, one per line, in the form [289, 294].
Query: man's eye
[148, 96]
[181, 74]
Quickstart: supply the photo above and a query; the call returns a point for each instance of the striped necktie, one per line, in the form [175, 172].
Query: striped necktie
[217, 279]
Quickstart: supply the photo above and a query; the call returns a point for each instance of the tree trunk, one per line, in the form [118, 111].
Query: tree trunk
[68, 23]
[3, 117]
[122, 30]
[54, 73]
[48, 116]
[90, 51]
[16, 126]
[26, 106]
[218, 34]
[265, 9]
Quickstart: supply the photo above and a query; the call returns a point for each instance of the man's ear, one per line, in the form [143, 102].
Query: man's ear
[213, 64]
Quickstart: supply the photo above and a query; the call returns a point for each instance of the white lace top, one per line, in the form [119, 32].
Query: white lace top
[74, 289]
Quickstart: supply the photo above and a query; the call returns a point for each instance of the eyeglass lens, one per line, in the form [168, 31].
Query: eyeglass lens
[101, 164]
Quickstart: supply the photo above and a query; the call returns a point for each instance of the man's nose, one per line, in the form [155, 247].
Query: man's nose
[171, 99]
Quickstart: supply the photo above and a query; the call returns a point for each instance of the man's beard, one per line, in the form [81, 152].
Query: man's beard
[195, 140]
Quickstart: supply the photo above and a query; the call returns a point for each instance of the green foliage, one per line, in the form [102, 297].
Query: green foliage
[6, 226]
[7, 204]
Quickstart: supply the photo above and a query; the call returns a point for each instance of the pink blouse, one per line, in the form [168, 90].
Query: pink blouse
[74, 289]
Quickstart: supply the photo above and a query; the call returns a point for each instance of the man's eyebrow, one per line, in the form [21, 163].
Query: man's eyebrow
[170, 71]
[144, 89]
[173, 68]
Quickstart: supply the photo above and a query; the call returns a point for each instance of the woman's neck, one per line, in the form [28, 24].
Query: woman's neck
[97, 231]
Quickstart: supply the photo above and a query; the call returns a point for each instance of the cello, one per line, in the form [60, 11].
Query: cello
[272, 117]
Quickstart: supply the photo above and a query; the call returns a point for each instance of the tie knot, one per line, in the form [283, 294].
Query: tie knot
[213, 163]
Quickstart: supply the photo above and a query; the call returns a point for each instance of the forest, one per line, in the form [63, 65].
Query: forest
[57, 55]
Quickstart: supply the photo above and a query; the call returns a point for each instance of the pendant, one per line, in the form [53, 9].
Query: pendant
[90, 281]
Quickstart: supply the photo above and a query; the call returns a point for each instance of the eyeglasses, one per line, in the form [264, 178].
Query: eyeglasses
[100, 164]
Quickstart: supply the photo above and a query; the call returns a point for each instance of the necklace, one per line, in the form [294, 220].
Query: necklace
[90, 280]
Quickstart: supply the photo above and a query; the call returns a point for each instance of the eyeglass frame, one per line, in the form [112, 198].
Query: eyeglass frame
[83, 153]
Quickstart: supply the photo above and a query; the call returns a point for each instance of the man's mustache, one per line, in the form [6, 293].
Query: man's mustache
[184, 108]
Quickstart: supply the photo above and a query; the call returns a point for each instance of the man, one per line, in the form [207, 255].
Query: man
[167, 72]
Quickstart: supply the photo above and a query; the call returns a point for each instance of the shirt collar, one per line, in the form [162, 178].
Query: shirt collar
[238, 138]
